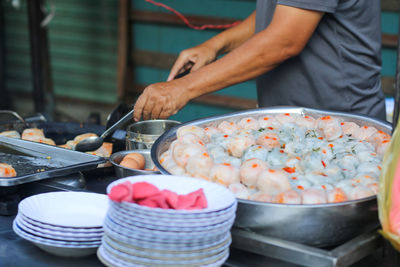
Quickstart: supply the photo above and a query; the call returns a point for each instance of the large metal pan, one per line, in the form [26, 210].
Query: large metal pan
[35, 161]
[317, 225]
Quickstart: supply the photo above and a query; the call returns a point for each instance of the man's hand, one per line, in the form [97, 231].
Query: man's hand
[193, 59]
[201, 55]
[160, 100]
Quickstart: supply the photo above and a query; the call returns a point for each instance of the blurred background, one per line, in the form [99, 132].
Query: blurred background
[93, 55]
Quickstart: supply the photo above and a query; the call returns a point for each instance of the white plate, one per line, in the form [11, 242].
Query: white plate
[22, 222]
[170, 213]
[170, 224]
[154, 248]
[67, 252]
[167, 248]
[85, 230]
[72, 251]
[172, 221]
[165, 237]
[68, 209]
[153, 262]
[179, 217]
[27, 228]
[170, 245]
[163, 255]
[132, 221]
[49, 242]
[201, 232]
[112, 261]
[218, 197]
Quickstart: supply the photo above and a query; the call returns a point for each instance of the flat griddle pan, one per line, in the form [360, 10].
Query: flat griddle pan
[36, 161]
[60, 132]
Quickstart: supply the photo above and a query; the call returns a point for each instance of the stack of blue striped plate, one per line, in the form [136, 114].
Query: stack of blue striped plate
[136, 235]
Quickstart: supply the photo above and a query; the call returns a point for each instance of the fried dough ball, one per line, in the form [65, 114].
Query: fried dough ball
[32, 133]
[307, 122]
[330, 126]
[268, 140]
[273, 181]
[6, 170]
[268, 121]
[182, 152]
[336, 195]
[239, 143]
[228, 127]
[313, 196]
[349, 128]
[12, 134]
[193, 130]
[249, 171]
[288, 197]
[261, 196]
[130, 163]
[199, 165]
[365, 132]
[225, 174]
[249, 123]
[138, 158]
[240, 190]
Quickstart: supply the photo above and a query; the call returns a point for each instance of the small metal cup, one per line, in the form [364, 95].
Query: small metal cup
[142, 134]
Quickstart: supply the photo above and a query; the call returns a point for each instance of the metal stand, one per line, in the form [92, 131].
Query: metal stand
[5, 102]
[41, 74]
[303, 255]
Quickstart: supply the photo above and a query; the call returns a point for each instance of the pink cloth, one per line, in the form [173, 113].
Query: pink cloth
[192, 200]
[143, 190]
[146, 194]
[122, 192]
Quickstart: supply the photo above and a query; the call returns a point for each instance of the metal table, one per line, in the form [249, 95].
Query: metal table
[248, 249]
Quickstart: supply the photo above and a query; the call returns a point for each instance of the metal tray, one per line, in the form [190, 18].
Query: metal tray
[320, 225]
[35, 161]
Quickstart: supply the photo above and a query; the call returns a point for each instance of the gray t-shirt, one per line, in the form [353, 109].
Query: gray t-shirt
[339, 69]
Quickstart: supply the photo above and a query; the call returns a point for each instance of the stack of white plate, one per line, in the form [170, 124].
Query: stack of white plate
[138, 235]
[63, 223]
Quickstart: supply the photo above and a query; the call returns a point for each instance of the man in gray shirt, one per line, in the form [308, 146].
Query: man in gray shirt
[338, 69]
[312, 53]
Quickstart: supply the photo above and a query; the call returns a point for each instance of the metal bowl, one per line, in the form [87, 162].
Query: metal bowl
[316, 225]
[142, 134]
[121, 171]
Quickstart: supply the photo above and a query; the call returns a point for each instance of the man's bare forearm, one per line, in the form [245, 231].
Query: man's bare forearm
[229, 39]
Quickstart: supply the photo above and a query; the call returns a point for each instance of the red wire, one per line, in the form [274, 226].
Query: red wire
[186, 21]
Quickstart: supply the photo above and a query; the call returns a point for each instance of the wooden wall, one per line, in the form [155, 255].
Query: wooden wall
[83, 52]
